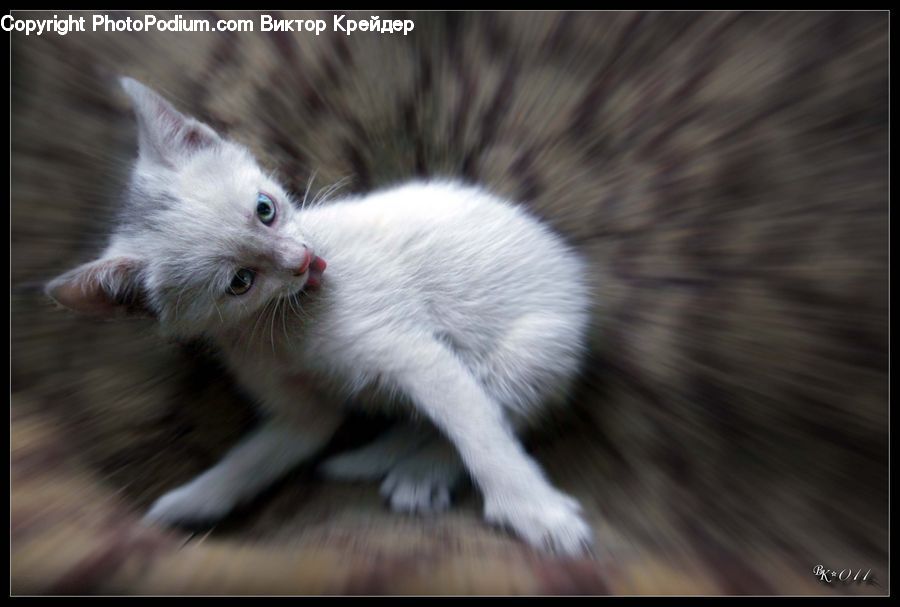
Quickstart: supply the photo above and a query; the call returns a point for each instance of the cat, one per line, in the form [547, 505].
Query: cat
[445, 301]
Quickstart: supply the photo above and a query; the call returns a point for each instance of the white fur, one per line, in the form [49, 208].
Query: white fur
[439, 298]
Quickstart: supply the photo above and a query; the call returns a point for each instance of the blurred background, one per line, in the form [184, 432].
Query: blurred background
[725, 173]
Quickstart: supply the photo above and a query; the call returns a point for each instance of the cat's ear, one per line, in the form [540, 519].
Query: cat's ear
[109, 287]
[165, 135]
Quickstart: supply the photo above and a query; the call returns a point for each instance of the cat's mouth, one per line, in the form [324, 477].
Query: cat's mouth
[315, 270]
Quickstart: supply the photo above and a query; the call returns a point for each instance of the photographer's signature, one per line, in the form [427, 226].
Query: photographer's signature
[846, 576]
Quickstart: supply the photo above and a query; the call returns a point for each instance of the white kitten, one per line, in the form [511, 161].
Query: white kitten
[438, 297]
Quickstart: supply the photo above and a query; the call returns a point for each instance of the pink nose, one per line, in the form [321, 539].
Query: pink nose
[304, 265]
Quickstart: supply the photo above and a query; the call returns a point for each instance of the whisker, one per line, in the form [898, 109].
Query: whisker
[219, 312]
[309, 183]
[294, 301]
[322, 196]
[258, 318]
[335, 188]
[178, 302]
[284, 323]
[272, 326]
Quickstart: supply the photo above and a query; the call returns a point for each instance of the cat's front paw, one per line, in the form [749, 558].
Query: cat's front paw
[548, 520]
[189, 505]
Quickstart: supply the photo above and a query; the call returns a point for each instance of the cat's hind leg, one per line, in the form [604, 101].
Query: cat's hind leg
[423, 482]
[532, 365]
[374, 460]
[420, 469]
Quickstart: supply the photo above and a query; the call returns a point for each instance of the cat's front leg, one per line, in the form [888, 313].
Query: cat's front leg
[256, 462]
[516, 493]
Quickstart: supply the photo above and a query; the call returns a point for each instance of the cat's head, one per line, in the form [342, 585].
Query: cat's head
[206, 240]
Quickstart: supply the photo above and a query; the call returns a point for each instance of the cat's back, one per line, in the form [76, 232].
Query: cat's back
[428, 209]
[445, 231]
[445, 254]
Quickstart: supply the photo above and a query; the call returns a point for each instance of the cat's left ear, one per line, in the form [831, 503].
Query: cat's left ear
[166, 135]
[109, 287]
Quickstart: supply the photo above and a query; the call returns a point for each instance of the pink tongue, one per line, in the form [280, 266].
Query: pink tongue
[316, 267]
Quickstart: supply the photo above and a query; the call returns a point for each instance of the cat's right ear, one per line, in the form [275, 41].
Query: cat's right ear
[165, 135]
[110, 287]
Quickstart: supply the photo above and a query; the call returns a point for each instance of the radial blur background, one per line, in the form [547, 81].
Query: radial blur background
[726, 175]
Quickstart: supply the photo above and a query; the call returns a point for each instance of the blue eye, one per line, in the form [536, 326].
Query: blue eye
[265, 208]
[241, 282]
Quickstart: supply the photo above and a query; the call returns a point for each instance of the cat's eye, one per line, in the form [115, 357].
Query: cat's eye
[265, 208]
[242, 281]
